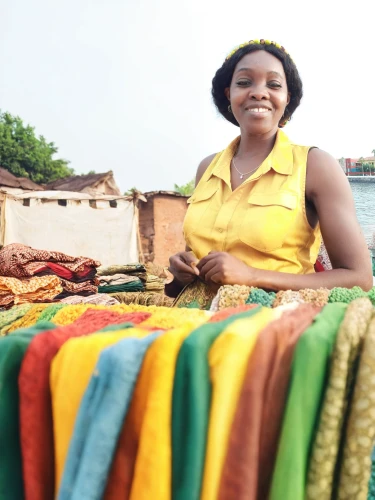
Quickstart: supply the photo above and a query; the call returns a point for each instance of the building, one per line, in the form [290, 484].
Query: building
[92, 184]
[12, 184]
[160, 225]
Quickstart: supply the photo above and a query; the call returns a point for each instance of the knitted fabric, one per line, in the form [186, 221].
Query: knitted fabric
[29, 319]
[11, 315]
[49, 312]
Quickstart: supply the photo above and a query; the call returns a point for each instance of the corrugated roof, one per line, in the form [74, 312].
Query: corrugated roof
[78, 182]
[10, 180]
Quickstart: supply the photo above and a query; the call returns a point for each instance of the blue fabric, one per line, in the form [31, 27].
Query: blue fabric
[100, 419]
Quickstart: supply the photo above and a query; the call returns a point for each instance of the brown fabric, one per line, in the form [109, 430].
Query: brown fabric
[21, 261]
[253, 441]
[86, 286]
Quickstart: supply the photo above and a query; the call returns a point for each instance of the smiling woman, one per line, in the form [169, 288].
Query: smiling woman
[262, 205]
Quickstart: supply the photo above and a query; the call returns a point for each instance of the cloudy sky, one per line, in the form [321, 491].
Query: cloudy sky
[124, 85]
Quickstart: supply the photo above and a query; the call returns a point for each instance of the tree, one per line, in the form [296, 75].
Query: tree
[26, 155]
[187, 189]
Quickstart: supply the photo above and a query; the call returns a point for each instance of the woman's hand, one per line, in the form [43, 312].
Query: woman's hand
[222, 268]
[180, 265]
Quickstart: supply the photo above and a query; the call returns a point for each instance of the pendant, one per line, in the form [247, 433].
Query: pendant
[241, 176]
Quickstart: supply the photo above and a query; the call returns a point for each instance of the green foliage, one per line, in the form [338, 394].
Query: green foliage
[25, 155]
[132, 191]
[186, 189]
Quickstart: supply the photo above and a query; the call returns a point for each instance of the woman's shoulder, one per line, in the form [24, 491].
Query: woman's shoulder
[203, 166]
[323, 172]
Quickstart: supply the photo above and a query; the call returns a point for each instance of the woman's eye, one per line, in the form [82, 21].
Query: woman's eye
[243, 83]
[274, 85]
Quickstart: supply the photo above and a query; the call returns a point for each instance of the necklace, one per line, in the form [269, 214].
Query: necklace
[242, 175]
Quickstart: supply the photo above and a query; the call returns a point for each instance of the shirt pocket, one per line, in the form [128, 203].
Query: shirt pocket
[199, 214]
[268, 219]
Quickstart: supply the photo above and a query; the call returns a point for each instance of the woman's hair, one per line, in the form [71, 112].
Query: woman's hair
[224, 75]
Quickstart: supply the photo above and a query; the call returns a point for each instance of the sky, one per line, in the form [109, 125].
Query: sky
[124, 85]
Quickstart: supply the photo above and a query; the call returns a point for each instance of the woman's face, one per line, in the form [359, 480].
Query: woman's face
[258, 92]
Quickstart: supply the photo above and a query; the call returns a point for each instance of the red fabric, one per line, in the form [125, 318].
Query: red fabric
[318, 267]
[60, 270]
[36, 425]
[229, 311]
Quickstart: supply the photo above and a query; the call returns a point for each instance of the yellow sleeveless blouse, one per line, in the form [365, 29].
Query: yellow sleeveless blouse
[263, 222]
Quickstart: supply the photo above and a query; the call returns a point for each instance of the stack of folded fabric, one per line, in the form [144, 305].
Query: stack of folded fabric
[154, 283]
[120, 283]
[30, 275]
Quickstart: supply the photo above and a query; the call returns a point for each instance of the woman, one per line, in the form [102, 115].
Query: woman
[260, 207]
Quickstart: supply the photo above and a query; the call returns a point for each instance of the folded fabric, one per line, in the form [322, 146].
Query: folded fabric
[12, 350]
[84, 286]
[132, 286]
[97, 299]
[117, 279]
[359, 439]
[142, 465]
[30, 318]
[70, 374]
[49, 312]
[325, 452]
[121, 269]
[232, 348]
[255, 430]
[302, 408]
[100, 418]
[20, 261]
[143, 298]
[36, 427]
[37, 289]
[190, 409]
[11, 315]
[154, 283]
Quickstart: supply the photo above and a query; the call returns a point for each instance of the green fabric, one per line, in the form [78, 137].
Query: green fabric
[259, 296]
[191, 405]
[49, 312]
[132, 286]
[115, 328]
[346, 295]
[12, 350]
[306, 392]
[12, 315]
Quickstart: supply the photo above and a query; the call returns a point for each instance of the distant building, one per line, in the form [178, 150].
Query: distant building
[12, 184]
[93, 184]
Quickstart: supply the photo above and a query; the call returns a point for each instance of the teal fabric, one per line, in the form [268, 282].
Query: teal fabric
[12, 350]
[190, 407]
[307, 385]
[49, 312]
[371, 486]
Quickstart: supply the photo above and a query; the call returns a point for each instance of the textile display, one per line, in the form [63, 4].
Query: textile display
[251, 401]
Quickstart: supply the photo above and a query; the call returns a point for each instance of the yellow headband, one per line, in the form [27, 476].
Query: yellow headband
[256, 42]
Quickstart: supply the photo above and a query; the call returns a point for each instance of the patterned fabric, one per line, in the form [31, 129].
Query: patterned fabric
[97, 299]
[196, 295]
[90, 286]
[117, 279]
[37, 289]
[360, 431]
[327, 440]
[21, 261]
[122, 269]
[323, 258]
[36, 427]
[10, 316]
[143, 298]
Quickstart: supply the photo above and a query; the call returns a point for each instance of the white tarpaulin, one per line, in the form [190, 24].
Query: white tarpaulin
[99, 231]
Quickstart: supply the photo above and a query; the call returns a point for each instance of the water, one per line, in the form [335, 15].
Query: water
[364, 199]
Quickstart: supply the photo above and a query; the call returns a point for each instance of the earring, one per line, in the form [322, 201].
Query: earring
[283, 122]
[230, 109]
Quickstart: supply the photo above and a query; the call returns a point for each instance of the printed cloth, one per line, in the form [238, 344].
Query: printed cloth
[97, 299]
[37, 289]
[21, 261]
[359, 440]
[325, 451]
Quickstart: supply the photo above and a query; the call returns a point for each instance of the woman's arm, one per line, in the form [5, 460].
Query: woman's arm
[328, 190]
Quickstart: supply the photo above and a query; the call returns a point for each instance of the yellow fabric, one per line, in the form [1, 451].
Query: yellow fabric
[150, 414]
[70, 374]
[228, 359]
[263, 222]
[30, 318]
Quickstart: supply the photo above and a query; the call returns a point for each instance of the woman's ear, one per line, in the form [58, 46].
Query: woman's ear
[227, 93]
